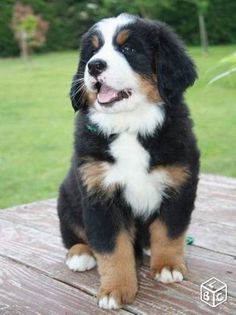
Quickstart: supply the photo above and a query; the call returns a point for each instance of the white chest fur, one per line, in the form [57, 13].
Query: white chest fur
[143, 190]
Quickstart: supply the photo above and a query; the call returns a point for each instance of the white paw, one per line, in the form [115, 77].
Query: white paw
[81, 262]
[167, 276]
[108, 302]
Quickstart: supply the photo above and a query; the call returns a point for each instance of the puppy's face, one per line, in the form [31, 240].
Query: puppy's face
[119, 73]
[122, 63]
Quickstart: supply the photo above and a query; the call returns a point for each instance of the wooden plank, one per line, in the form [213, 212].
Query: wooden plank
[220, 193]
[216, 204]
[25, 291]
[211, 190]
[44, 252]
[41, 215]
[216, 200]
[206, 231]
[215, 210]
[214, 236]
[219, 180]
[30, 244]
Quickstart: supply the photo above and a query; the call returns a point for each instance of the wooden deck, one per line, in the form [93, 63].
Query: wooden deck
[35, 280]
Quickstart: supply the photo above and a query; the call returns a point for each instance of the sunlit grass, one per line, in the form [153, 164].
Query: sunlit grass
[214, 112]
[36, 122]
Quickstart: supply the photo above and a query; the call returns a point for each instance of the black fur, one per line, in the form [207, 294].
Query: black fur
[159, 52]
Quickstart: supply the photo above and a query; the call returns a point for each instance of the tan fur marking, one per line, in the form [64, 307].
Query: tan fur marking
[79, 249]
[118, 271]
[177, 175]
[95, 41]
[166, 252]
[149, 88]
[91, 97]
[93, 173]
[122, 37]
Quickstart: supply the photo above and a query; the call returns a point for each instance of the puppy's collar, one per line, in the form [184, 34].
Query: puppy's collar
[94, 129]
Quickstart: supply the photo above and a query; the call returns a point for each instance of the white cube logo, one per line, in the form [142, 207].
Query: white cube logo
[213, 292]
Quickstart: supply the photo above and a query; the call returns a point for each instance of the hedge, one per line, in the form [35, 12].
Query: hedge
[69, 19]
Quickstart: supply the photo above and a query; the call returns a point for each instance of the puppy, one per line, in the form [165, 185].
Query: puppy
[133, 177]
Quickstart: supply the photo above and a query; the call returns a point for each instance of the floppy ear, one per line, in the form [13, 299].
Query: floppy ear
[175, 69]
[77, 91]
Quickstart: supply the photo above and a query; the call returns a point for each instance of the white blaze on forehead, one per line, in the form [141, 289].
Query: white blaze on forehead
[109, 26]
[118, 75]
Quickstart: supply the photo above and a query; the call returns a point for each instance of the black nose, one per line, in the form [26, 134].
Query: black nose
[96, 66]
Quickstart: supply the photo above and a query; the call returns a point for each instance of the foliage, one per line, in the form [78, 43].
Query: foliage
[29, 29]
[36, 122]
[70, 19]
[229, 64]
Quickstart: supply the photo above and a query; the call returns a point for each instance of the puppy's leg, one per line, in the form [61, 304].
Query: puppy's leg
[118, 274]
[80, 258]
[167, 254]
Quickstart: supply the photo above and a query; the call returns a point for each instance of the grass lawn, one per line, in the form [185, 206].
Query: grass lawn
[36, 122]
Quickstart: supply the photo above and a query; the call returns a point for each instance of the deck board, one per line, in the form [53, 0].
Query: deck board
[26, 291]
[19, 243]
[30, 244]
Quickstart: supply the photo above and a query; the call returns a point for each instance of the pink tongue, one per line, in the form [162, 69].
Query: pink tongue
[106, 94]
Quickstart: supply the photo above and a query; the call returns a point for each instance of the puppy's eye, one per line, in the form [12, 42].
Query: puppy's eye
[127, 50]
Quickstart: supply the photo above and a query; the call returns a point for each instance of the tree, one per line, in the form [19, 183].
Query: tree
[202, 6]
[30, 29]
[70, 19]
[144, 8]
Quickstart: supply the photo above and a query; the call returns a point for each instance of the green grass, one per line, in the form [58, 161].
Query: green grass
[36, 123]
[213, 109]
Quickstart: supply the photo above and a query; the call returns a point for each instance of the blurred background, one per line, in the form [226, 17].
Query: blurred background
[39, 42]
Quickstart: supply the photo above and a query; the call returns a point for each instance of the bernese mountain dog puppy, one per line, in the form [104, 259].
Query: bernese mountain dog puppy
[133, 177]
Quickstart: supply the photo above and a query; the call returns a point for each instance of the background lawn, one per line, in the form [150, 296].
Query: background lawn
[36, 122]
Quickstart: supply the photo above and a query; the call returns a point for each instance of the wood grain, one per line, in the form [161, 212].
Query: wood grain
[27, 292]
[29, 235]
[214, 236]
[37, 250]
[41, 215]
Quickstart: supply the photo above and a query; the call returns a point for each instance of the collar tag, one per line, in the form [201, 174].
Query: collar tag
[92, 128]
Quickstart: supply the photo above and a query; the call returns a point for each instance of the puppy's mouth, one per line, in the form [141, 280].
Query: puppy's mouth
[106, 95]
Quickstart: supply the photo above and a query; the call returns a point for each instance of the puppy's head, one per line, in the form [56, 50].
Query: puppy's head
[127, 61]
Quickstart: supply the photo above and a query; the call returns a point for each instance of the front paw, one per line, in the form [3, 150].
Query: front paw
[115, 297]
[169, 273]
[80, 258]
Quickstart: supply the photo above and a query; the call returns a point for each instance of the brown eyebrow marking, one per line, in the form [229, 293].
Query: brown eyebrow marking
[122, 37]
[95, 41]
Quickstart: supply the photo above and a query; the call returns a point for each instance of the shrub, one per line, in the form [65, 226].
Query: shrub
[29, 29]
